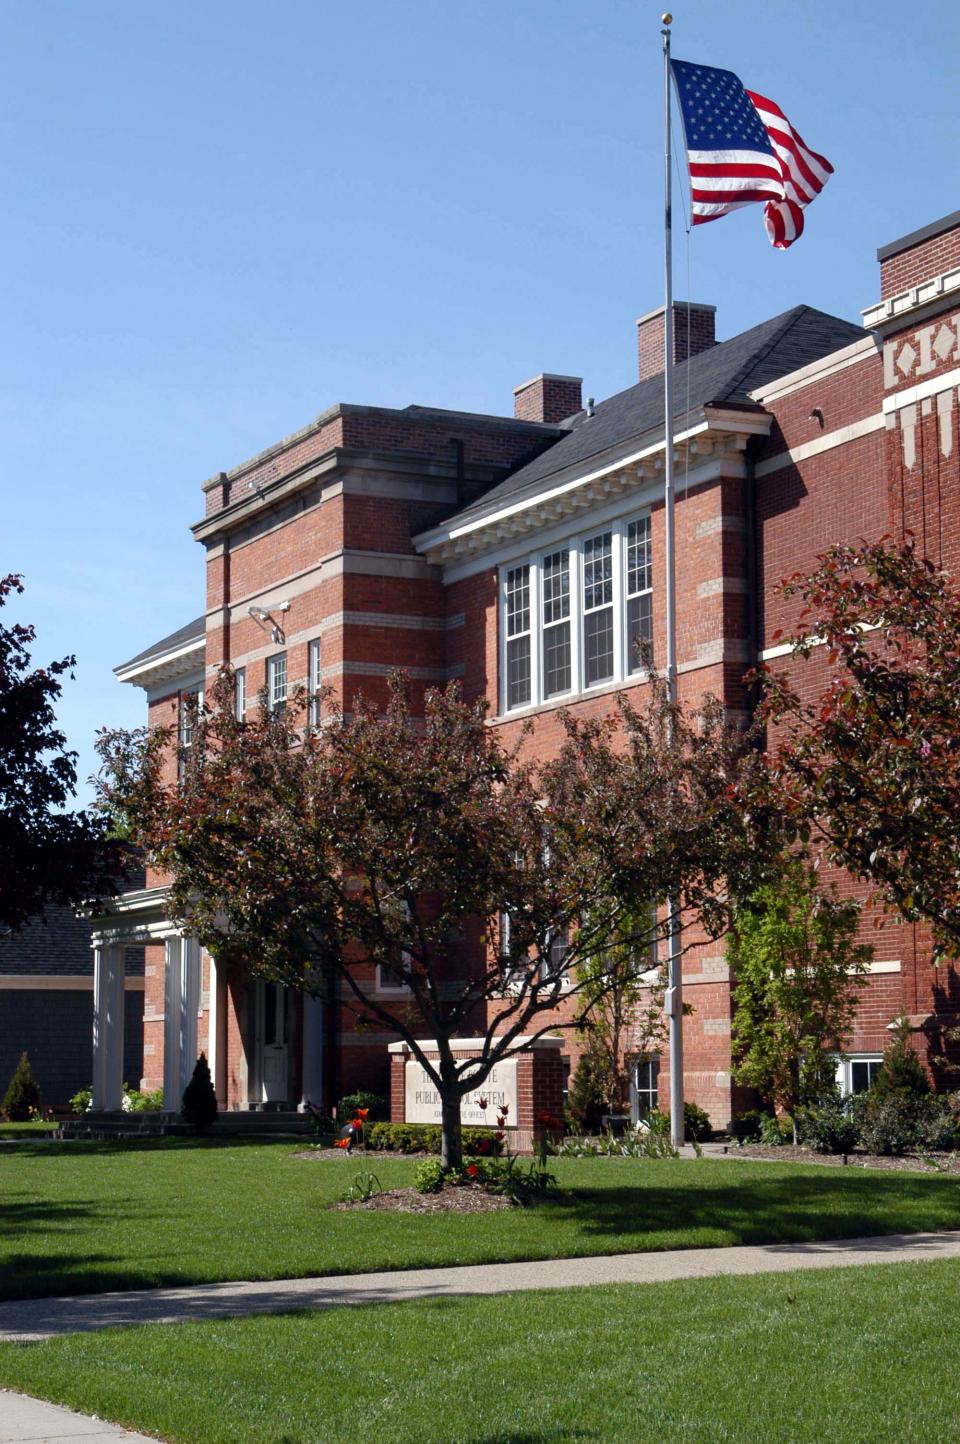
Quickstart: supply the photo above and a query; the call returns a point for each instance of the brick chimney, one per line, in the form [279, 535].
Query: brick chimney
[547, 398]
[702, 321]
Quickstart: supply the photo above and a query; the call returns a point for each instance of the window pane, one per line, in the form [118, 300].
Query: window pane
[598, 571]
[556, 587]
[598, 646]
[639, 561]
[313, 680]
[556, 659]
[518, 601]
[640, 632]
[277, 679]
[860, 1077]
[240, 692]
[518, 671]
[646, 1081]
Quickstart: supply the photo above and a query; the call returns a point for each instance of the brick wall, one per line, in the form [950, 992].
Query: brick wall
[694, 330]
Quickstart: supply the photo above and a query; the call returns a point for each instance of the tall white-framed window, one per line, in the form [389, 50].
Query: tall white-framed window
[277, 682]
[314, 680]
[240, 693]
[598, 646]
[191, 704]
[554, 967]
[646, 1085]
[577, 616]
[856, 1072]
[555, 612]
[638, 587]
[517, 618]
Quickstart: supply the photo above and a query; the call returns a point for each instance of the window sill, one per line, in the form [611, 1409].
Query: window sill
[570, 699]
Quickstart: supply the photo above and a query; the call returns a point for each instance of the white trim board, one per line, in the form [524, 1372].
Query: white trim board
[826, 366]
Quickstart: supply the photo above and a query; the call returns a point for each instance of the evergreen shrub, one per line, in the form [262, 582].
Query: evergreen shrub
[199, 1107]
[22, 1098]
[377, 1106]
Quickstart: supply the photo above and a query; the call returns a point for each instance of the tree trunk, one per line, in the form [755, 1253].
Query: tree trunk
[451, 1143]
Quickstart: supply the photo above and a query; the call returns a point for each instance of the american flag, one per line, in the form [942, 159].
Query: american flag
[742, 148]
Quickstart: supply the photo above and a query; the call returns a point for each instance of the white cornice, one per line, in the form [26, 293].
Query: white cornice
[170, 666]
[935, 294]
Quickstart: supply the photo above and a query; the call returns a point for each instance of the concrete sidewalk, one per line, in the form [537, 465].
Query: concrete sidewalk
[42, 1318]
[23, 1419]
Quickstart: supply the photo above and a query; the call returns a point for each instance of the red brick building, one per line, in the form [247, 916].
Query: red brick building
[523, 556]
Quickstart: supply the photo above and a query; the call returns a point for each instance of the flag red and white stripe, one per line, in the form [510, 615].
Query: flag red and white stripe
[803, 173]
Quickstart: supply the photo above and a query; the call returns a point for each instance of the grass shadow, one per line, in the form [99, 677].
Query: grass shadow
[795, 1209]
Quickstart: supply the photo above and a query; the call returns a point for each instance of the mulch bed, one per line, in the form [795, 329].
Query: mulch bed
[790, 1153]
[451, 1198]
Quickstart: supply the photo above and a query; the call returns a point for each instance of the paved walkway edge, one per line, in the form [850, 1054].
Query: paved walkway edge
[25, 1418]
[34, 1319]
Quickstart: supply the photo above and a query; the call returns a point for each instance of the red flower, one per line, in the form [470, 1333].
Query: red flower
[482, 1102]
[483, 1145]
[545, 1118]
[500, 1136]
[360, 1113]
[342, 1143]
[473, 1170]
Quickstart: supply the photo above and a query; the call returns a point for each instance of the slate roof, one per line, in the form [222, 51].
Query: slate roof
[192, 632]
[724, 374]
[59, 944]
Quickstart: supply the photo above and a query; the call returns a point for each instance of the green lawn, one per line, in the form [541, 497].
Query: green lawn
[19, 1130]
[854, 1354]
[78, 1218]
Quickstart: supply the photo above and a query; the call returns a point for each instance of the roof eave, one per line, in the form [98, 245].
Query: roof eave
[714, 428]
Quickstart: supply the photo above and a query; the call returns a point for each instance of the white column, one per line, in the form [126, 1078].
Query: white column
[214, 1052]
[312, 1059]
[190, 978]
[172, 1007]
[108, 987]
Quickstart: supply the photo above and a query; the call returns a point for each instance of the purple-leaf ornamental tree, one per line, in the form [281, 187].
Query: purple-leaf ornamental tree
[381, 837]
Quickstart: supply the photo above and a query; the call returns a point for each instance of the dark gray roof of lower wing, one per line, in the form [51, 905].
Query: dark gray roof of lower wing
[192, 632]
[726, 373]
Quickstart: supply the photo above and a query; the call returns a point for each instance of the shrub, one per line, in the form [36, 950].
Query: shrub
[425, 1138]
[22, 1098]
[775, 1132]
[887, 1123]
[377, 1106]
[696, 1123]
[81, 1100]
[428, 1176]
[199, 1107]
[145, 1102]
[828, 1128]
[746, 1126]
[901, 1074]
[586, 1100]
[938, 1123]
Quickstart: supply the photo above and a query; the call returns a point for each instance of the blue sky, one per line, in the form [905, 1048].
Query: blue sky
[219, 219]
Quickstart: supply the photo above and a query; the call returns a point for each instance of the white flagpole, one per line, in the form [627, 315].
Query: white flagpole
[674, 997]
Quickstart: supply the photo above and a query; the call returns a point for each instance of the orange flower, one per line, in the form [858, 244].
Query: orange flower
[361, 1113]
[342, 1142]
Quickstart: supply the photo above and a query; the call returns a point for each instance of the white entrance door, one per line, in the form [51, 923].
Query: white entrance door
[274, 1049]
